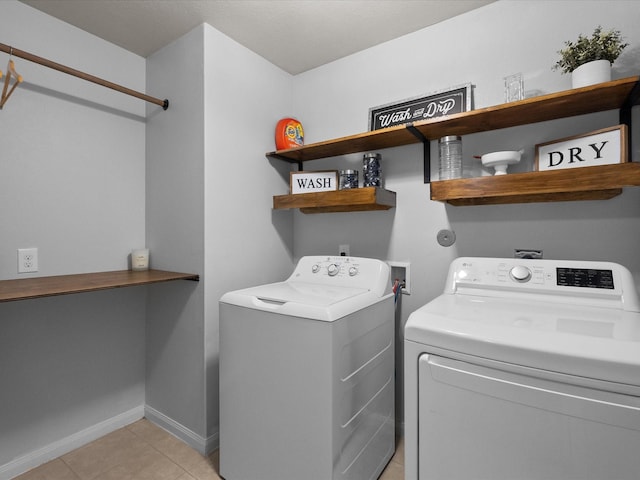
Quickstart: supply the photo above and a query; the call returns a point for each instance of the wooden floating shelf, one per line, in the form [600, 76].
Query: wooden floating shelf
[37, 287]
[376, 140]
[568, 103]
[585, 183]
[351, 200]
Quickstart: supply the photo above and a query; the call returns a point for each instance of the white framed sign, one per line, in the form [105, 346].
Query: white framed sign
[308, 182]
[601, 147]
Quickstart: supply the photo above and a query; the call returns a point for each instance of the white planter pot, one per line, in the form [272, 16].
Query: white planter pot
[591, 73]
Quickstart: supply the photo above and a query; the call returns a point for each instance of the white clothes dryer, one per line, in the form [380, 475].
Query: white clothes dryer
[307, 374]
[525, 369]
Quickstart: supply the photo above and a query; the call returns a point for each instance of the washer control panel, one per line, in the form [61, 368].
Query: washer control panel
[336, 266]
[356, 272]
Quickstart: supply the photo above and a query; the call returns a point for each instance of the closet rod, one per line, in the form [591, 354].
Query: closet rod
[85, 76]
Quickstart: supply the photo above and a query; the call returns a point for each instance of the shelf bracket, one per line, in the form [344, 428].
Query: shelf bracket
[299, 163]
[426, 151]
[625, 112]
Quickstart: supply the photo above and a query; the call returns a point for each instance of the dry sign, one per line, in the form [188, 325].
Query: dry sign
[602, 147]
[307, 182]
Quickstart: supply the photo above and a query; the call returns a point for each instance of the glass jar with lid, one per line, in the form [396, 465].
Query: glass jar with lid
[450, 165]
[371, 169]
[348, 179]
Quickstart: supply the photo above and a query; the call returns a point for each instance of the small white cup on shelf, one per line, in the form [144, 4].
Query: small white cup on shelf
[140, 259]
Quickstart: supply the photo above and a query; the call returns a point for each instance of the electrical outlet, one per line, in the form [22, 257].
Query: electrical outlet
[27, 260]
[343, 250]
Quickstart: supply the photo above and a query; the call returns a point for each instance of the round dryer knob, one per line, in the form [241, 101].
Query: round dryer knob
[333, 270]
[315, 268]
[353, 271]
[520, 273]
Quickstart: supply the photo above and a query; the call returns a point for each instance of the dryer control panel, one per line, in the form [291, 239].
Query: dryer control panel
[587, 283]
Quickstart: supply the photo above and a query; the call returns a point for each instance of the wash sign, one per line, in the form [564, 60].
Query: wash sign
[602, 147]
[307, 182]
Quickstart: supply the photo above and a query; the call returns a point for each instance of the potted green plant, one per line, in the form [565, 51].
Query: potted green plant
[589, 59]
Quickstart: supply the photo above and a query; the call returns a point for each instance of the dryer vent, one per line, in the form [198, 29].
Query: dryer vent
[530, 254]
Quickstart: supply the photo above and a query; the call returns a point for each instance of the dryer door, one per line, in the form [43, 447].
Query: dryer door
[483, 423]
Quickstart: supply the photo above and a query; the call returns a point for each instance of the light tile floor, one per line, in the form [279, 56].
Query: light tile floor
[143, 451]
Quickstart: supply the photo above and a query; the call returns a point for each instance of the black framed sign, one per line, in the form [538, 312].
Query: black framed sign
[438, 104]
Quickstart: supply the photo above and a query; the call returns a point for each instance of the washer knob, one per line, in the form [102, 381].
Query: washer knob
[333, 270]
[520, 273]
[353, 271]
[315, 268]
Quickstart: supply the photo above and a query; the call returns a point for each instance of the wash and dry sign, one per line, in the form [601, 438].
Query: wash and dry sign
[437, 104]
[602, 147]
[307, 182]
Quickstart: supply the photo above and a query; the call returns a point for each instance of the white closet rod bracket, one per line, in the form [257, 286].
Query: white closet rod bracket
[85, 76]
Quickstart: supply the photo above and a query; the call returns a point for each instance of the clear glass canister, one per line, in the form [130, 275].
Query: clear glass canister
[371, 170]
[450, 157]
[348, 179]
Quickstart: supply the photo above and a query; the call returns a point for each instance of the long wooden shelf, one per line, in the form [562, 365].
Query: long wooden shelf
[595, 98]
[363, 142]
[585, 183]
[356, 199]
[37, 287]
[568, 103]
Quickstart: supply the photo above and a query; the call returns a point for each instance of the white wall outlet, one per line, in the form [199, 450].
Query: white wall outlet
[343, 250]
[27, 260]
[402, 272]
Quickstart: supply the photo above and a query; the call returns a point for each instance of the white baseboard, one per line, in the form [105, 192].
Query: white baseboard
[203, 445]
[67, 444]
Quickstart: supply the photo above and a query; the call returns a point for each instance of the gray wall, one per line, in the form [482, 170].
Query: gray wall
[109, 174]
[71, 184]
[175, 235]
[246, 242]
[209, 189]
[480, 47]
[206, 204]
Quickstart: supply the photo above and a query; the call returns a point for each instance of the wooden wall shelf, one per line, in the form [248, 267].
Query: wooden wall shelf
[572, 184]
[568, 103]
[37, 287]
[585, 183]
[357, 199]
[363, 142]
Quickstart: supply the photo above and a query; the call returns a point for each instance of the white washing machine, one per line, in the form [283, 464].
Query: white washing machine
[525, 369]
[307, 374]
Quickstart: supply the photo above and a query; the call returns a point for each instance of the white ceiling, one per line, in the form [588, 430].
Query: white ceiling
[296, 35]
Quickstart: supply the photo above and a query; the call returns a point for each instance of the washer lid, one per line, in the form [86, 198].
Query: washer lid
[592, 342]
[302, 299]
[303, 293]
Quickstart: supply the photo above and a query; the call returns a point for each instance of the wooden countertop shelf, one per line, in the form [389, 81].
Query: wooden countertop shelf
[352, 200]
[585, 183]
[37, 287]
